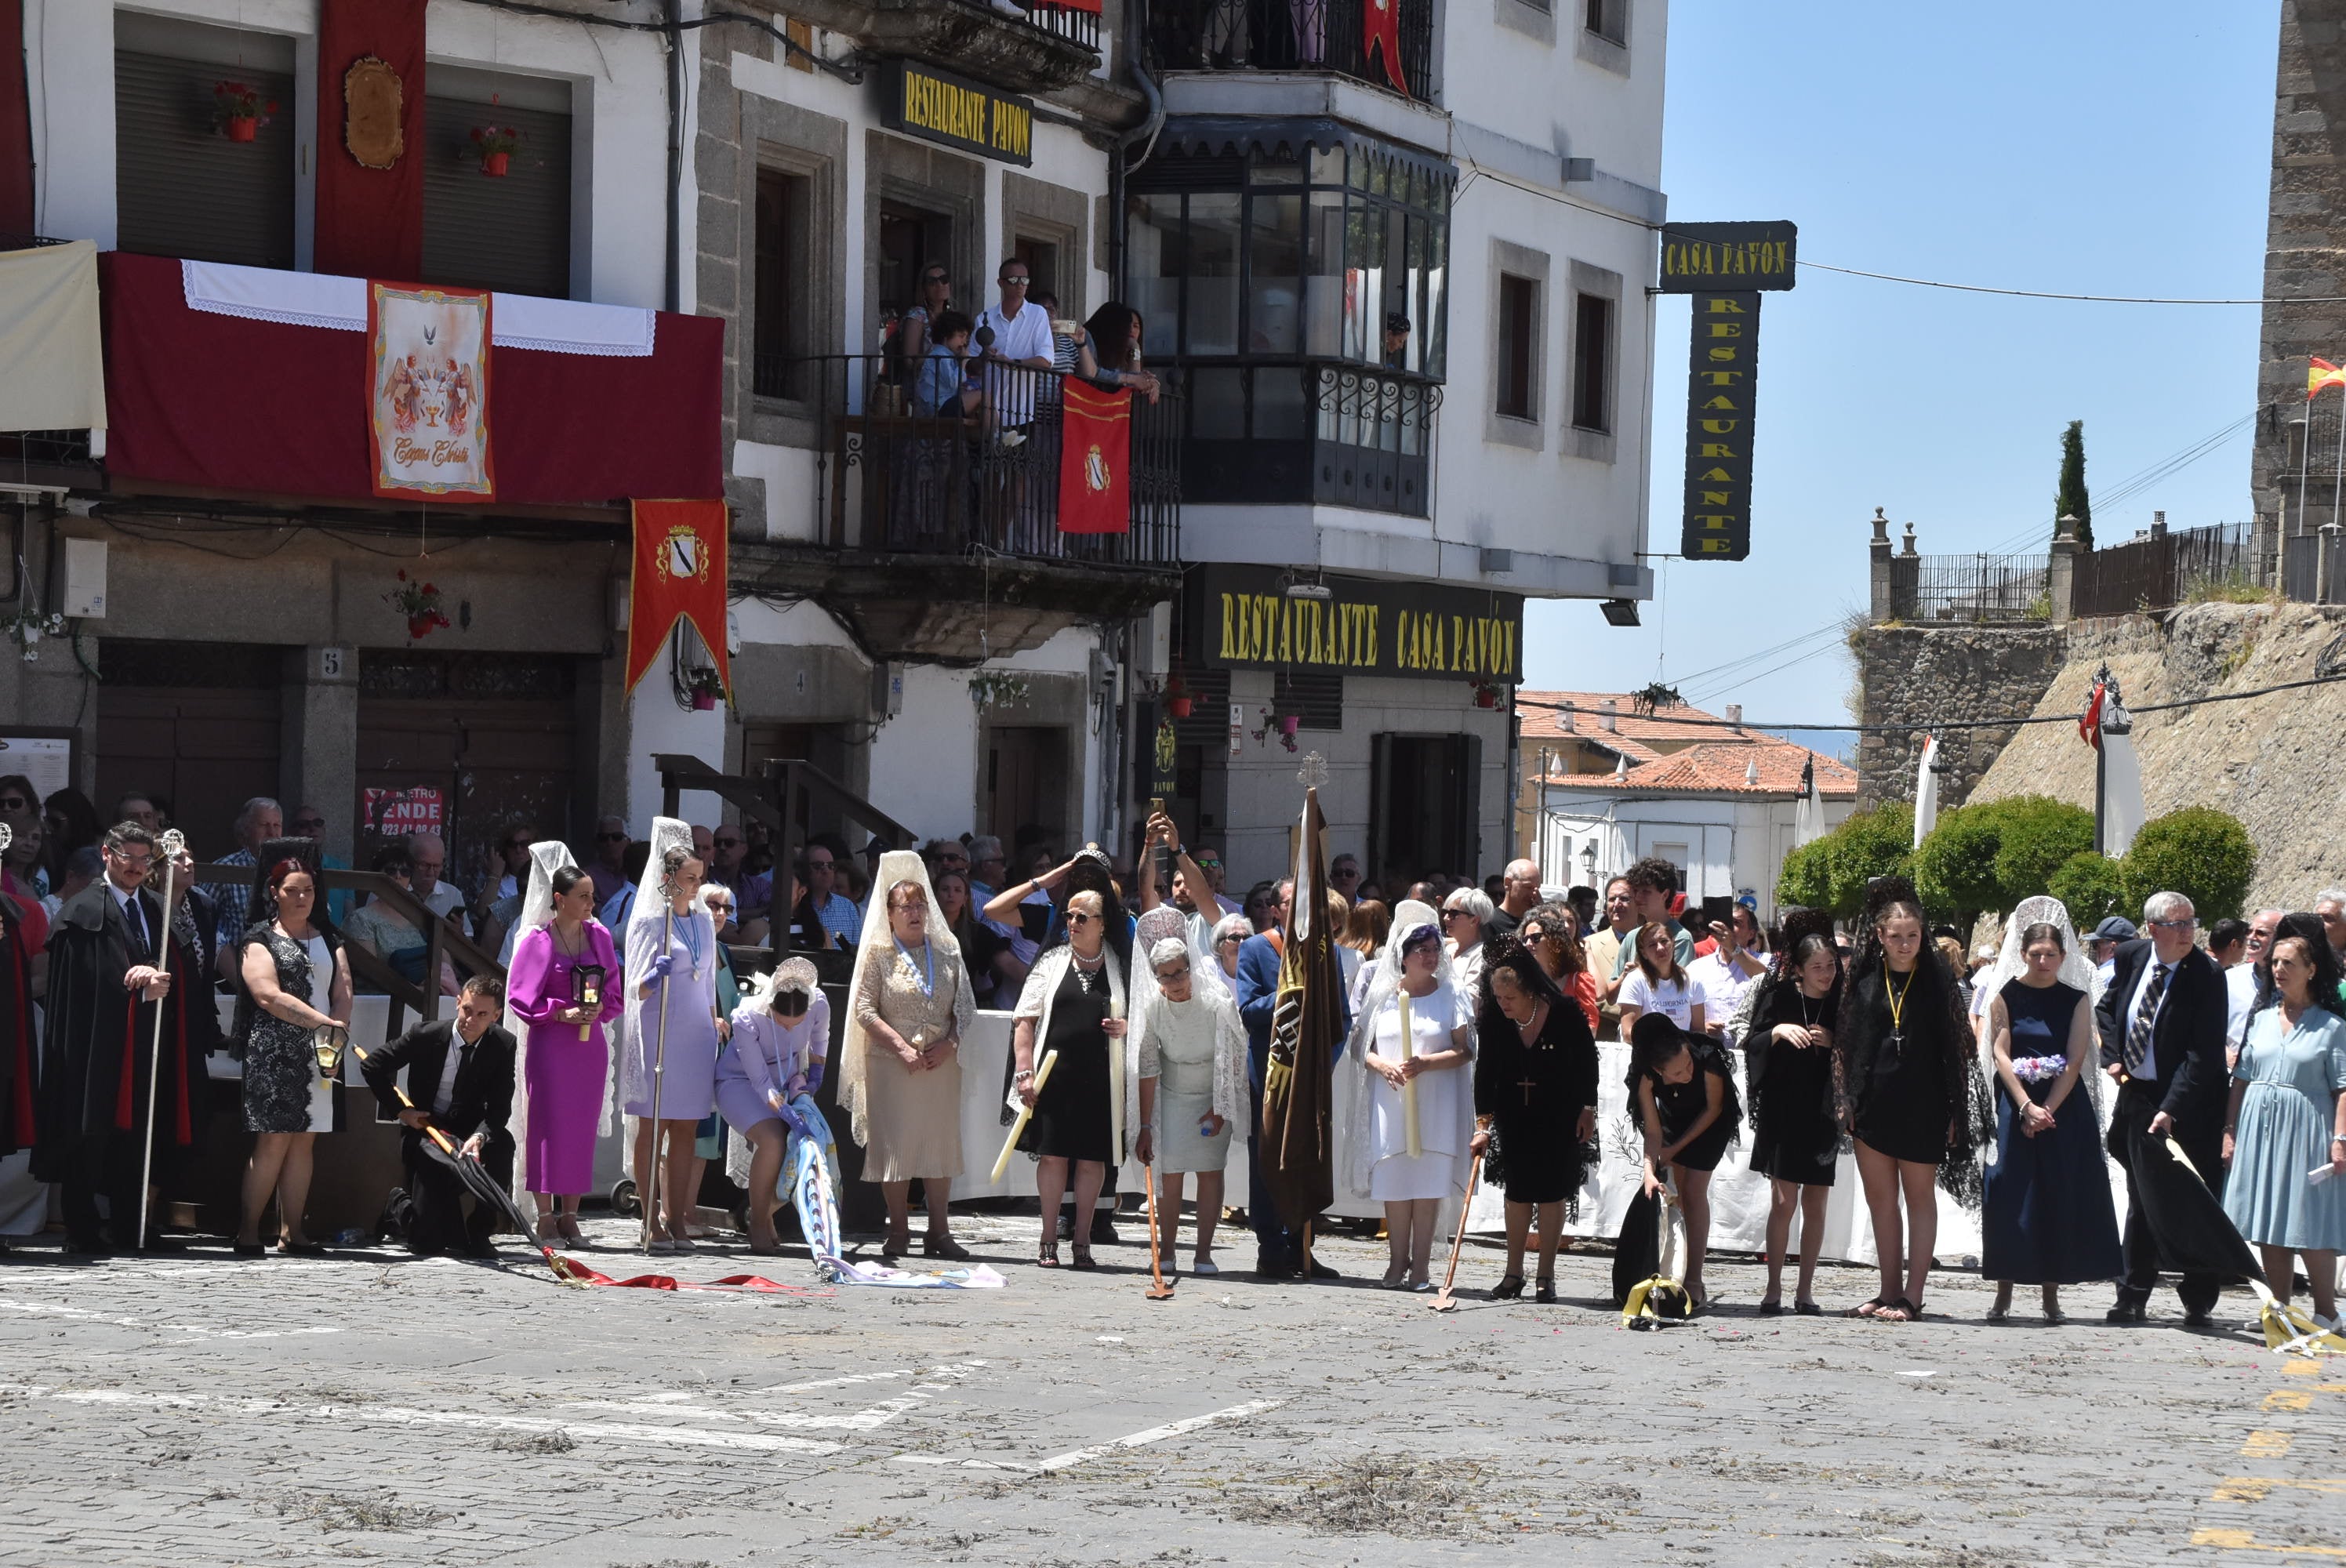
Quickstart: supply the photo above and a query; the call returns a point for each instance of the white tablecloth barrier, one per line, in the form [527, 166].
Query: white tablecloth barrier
[1738, 1197]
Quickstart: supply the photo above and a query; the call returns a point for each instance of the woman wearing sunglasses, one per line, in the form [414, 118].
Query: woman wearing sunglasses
[782, 1032]
[1087, 1115]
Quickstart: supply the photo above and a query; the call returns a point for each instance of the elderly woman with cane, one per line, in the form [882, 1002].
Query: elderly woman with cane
[674, 1029]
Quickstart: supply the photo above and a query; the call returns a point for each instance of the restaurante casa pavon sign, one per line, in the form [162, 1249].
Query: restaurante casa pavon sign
[938, 107]
[1260, 617]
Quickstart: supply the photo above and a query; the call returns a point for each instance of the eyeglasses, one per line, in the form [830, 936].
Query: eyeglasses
[137, 863]
[819, 865]
[1078, 917]
[1202, 861]
[1233, 937]
[1454, 914]
[2188, 922]
[1531, 935]
[936, 277]
[1181, 974]
[15, 803]
[1014, 283]
[719, 908]
[729, 843]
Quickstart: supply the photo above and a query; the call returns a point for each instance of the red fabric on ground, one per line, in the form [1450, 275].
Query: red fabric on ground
[370, 220]
[225, 404]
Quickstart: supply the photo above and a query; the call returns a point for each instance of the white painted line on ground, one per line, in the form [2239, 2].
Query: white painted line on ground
[1158, 1434]
[202, 1331]
[866, 1419]
[949, 1370]
[399, 1415]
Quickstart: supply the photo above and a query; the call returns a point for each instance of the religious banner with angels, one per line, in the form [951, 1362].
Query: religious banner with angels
[428, 391]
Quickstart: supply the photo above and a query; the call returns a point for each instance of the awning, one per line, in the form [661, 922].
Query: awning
[221, 400]
[52, 364]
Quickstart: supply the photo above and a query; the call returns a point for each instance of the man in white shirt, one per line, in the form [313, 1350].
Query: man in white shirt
[1021, 351]
[2240, 979]
[430, 854]
[1730, 970]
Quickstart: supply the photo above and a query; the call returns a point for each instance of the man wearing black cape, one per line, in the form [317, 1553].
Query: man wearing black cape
[107, 986]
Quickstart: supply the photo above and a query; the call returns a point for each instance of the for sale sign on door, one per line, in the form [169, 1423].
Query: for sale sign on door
[395, 814]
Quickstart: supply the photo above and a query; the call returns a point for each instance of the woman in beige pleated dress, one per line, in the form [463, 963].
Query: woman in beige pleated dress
[908, 1006]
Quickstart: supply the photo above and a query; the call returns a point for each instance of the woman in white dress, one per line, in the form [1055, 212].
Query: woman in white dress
[1415, 989]
[1192, 1054]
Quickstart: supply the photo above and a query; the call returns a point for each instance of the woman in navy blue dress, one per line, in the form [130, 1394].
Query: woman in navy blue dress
[2049, 1221]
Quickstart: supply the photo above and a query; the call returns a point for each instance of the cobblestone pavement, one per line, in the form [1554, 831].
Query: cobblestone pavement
[199, 1409]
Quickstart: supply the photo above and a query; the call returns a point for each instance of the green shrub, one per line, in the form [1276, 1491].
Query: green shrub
[2091, 886]
[2040, 836]
[2200, 853]
[1806, 880]
[1992, 855]
[1867, 844]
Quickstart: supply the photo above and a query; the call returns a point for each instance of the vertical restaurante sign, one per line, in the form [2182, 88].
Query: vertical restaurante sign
[1243, 618]
[937, 107]
[1724, 265]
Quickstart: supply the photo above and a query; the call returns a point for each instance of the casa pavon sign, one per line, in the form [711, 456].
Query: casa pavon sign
[939, 107]
[1253, 618]
[1714, 257]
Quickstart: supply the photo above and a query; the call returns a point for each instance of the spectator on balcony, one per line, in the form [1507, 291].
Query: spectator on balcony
[1396, 351]
[1114, 349]
[1015, 337]
[946, 385]
[916, 329]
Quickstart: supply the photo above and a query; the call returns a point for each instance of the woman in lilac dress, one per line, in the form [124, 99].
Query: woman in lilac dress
[566, 1058]
[671, 1063]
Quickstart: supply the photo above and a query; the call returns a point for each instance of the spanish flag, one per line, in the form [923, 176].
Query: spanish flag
[2320, 373]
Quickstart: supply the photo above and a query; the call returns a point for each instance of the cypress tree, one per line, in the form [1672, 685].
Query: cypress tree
[2070, 500]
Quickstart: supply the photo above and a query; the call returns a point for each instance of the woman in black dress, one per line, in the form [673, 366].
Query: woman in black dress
[1535, 1087]
[1789, 1065]
[1074, 1003]
[1682, 1092]
[1911, 1089]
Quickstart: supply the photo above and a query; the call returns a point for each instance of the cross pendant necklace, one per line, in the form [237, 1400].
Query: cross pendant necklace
[1527, 1084]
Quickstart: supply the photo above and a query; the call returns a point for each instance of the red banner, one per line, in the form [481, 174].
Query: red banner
[1095, 460]
[370, 215]
[1380, 29]
[679, 574]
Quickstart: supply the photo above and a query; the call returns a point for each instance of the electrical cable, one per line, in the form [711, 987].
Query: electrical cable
[2048, 294]
[2136, 709]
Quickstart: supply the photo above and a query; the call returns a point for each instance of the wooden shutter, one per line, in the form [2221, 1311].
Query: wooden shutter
[183, 189]
[481, 232]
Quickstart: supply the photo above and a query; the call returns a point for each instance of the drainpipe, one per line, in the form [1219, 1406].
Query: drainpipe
[674, 290]
[1136, 13]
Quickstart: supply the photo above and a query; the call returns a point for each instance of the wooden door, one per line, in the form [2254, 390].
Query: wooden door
[204, 750]
[1027, 783]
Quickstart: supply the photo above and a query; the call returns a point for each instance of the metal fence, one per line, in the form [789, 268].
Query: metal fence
[2163, 570]
[938, 459]
[1060, 22]
[1969, 588]
[1292, 36]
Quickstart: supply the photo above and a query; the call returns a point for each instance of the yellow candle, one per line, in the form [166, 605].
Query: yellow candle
[1408, 1089]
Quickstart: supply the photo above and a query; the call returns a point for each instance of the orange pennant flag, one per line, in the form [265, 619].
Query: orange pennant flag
[2320, 373]
[679, 574]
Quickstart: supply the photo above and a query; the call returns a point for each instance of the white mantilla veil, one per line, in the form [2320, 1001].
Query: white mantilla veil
[650, 908]
[2076, 970]
[876, 945]
[1154, 941]
[547, 856]
[1410, 918]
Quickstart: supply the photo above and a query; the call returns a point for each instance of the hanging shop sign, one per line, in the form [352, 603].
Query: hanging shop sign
[938, 107]
[1156, 752]
[1722, 375]
[1254, 617]
[1707, 258]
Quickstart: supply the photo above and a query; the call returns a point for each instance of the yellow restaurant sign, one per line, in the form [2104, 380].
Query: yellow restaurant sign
[1244, 617]
[937, 107]
[1729, 258]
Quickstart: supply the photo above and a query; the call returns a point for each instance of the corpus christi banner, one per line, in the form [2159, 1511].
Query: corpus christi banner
[428, 391]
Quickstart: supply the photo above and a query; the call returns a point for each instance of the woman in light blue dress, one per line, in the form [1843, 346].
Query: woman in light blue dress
[671, 1065]
[2287, 1124]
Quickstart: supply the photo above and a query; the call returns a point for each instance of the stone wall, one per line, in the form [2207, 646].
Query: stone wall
[1918, 675]
[2305, 251]
[2271, 761]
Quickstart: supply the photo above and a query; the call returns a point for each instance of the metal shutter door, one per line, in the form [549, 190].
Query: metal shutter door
[512, 233]
[182, 190]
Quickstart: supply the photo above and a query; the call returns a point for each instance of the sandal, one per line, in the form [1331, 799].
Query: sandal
[944, 1247]
[1084, 1258]
[1510, 1287]
[1898, 1311]
[1771, 1308]
[1048, 1256]
[1872, 1308]
[2054, 1317]
[1807, 1309]
[1998, 1314]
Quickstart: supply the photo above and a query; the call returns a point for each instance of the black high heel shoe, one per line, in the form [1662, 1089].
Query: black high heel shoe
[1546, 1293]
[1509, 1287]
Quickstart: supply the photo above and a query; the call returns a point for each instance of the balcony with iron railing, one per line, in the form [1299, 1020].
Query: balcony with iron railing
[1034, 47]
[1329, 431]
[1303, 35]
[907, 466]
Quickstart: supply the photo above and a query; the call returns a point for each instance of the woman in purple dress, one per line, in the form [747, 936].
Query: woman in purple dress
[565, 1057]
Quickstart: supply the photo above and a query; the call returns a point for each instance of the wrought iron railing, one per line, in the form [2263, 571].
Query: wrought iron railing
[1295, 36]
[908, 464]
[1973, 588]
[1061, 21]
[19, 448]
[2161, 570]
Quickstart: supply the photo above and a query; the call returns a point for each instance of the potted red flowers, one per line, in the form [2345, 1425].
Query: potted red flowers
[1487, 694]
[705, 690]
[1177, 700]
[239, 111]
[495, 145]
[420, 603]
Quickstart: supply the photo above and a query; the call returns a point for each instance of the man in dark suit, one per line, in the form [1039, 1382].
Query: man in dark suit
[460, 1077]
[106, 984]
[2161, 1021]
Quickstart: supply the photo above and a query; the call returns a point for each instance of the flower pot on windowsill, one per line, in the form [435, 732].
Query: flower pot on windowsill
[241, 127]
[1180, 707]
[1287, 723]
[1486, 696]
[496, 164]
[703, 701]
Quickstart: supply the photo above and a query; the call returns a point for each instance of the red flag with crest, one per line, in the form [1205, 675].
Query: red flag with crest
[1095, 460]
[679, 574]
[1380, 30]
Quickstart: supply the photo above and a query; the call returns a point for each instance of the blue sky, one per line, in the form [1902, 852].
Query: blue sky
[2101, 147]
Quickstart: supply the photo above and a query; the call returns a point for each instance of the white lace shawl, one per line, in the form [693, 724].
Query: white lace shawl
[1123, 1076]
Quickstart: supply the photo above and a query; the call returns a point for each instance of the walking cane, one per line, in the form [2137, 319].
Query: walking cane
[168, 845]
[659, 1071]
[1445, 1302]
[1157, 1290]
